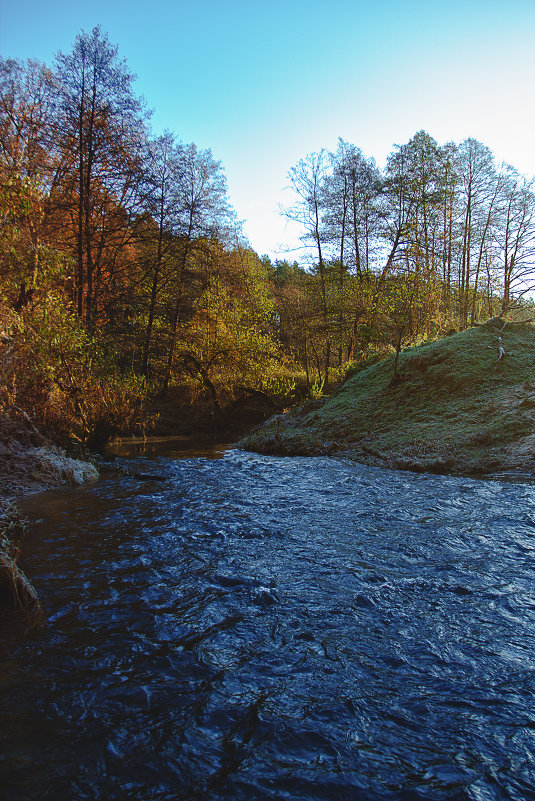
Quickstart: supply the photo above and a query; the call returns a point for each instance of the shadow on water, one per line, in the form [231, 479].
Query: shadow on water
[258, 628]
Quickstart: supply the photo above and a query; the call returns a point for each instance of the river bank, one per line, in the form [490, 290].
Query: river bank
[456, 406]
[30, 469]
[27, 464]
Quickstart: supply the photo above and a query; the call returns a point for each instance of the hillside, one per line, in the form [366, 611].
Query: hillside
[456, 408]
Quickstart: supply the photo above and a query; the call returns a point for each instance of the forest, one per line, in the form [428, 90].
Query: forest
[127, 287]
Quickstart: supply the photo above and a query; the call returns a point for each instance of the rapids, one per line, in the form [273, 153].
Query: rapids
[235, 627]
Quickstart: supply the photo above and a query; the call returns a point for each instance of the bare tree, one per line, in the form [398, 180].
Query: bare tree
[516, 238]
[477, 198]
[352, 218]
[309, 182]
[308, 179]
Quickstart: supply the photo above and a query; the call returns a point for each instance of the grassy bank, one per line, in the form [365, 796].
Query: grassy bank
[455, 408]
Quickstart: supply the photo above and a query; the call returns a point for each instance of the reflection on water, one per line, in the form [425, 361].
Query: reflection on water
[172, 447]
[266, 628]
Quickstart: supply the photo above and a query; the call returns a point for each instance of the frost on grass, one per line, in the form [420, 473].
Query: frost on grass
[16, 592]
[53, 466]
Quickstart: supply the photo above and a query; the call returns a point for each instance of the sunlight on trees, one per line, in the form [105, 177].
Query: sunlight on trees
[124, 275]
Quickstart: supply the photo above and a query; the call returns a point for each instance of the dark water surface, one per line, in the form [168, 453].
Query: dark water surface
[259, 628]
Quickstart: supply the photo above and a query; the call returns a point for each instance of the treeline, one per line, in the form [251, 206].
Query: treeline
[437, 241]
[124, 276]
[122, 267]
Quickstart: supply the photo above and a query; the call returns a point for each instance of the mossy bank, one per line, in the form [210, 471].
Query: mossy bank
[459, 405]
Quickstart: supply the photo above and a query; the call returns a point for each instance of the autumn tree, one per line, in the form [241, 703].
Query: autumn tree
[27, 171]
[229, 349]
[402, 297]
[201, 213]
[309, 182]
[157, 229]
[102, 136]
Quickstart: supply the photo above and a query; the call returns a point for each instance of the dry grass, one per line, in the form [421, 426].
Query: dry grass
[16, 592]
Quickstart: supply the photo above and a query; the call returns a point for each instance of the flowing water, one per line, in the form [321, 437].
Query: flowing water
[230, 626]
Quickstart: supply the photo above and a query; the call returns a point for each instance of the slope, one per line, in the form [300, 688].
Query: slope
[455, 408]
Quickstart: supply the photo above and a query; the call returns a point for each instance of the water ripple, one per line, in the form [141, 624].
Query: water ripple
[266, 628]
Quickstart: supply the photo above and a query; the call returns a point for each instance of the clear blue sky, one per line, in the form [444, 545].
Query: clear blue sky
[264, 83]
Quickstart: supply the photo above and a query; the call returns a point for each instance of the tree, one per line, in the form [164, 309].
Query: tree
[308, 179]
[400, 302]
[101, 138]
[201, 213]
[164, 173]
[449, 182]
[26, 173]
[517, 238]
[413, 196]
[477, 198]
[228, 349]
[352, 218]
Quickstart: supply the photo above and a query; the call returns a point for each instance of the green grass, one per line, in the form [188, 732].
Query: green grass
[455, 408]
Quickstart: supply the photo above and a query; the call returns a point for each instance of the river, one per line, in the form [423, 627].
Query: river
[225, 626]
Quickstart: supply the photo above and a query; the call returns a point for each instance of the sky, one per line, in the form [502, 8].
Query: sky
[262, 84]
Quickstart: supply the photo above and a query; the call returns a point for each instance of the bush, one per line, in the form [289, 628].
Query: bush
[54, 373]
